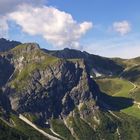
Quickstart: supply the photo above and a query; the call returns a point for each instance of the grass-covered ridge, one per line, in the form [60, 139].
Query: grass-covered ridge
[28, 58]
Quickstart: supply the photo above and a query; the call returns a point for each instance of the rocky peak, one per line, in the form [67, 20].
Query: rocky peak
[26, 48]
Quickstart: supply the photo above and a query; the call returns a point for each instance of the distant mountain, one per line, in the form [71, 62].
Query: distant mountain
[67, 95]
[102, 65]
[6, 45]
[131, 69]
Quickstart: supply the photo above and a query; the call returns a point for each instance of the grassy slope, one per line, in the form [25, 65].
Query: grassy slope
[122, 88]
[27, 130]
[133, 111]
[132, 72]
[115, 86]
[59, 127]
[136, 94]
[82, 130]
[128, 127]
[20, 131]
[7, 133]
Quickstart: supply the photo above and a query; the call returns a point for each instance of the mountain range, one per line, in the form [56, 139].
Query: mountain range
[67, 94]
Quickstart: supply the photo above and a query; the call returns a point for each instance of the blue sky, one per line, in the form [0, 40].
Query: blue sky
[105, 27]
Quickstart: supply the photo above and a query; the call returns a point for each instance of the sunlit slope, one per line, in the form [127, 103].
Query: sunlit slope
[122, 88]
[115, 86]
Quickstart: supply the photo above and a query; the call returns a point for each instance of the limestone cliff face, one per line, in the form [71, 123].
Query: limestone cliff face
[45, 85]
[56, 90]
[6, 70]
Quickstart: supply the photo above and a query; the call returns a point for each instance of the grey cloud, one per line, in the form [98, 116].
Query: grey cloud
[7, 6]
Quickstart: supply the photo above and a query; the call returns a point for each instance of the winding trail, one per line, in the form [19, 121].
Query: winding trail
[38, 129]
[135, 86]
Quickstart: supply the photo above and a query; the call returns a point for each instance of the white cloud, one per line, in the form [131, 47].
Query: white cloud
[122, 27]
[57, 27]
[3, 27]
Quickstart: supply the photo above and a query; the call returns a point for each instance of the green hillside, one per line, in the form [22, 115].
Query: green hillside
[115, 86]
[18, 130]
[119, 87]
